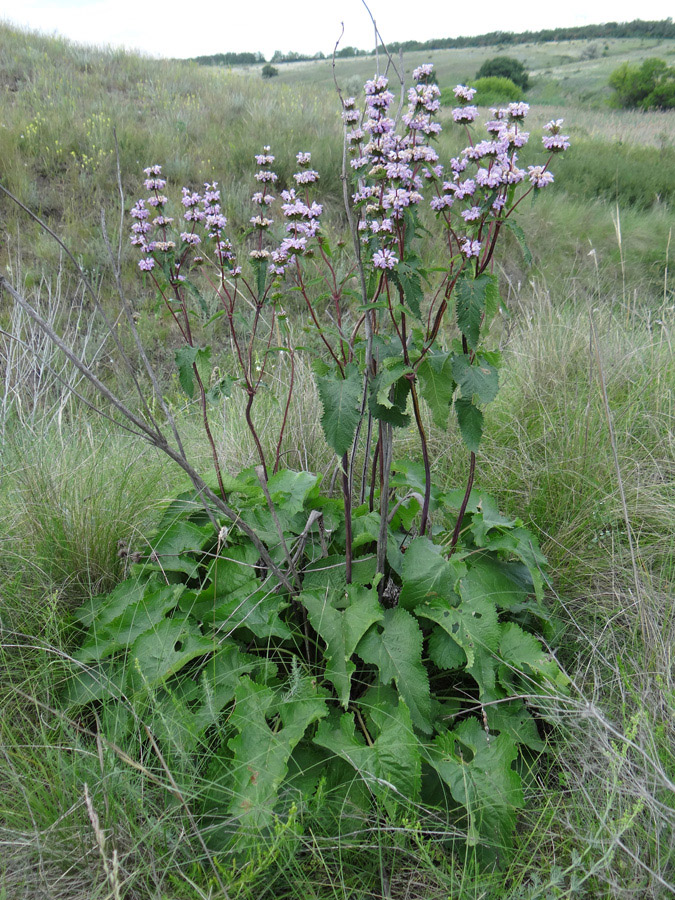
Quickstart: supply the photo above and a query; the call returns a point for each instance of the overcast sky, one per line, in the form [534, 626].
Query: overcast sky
[178, 29]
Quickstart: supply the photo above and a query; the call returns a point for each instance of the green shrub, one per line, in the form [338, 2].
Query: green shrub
[505, 67]
[495, 91]
[269, 71]
[649, 86]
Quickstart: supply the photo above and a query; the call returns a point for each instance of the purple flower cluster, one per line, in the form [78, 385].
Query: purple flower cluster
[391, 168]
[203, 210]
[154, 239]
[554, 141]
[483, 196]
[301, 214]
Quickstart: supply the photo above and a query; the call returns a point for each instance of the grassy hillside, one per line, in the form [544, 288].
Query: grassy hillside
[561, 72]
[581, 445]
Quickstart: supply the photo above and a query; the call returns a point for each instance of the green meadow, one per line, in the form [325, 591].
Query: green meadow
[580, 444]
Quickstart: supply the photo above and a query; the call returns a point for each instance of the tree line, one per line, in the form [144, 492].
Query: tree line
[663, 29]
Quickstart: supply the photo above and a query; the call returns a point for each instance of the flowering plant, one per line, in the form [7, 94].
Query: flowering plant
[308, 628]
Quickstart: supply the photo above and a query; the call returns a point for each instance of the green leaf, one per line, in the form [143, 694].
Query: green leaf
[437, 386]
[470, 300]
[470, 420]
[391, 767]
[410, 475]
[170, 548]
[261, 754]
[142, 615]
[397, 398]
[487, 517]
[328, 573]
[396, 650]
[221, 390]
[444, 651]
[289, 490]
[160, 653]
[475, 627]
[523, 652]
[493, 578]
[186, 358]
[479, 378]
[258, 610]
[478, 771]
[260, 269]
[217, 684]
[98, 682]
[511, 717]
[427, 574]
[192, 288]
[521, 543]
[106, 609]
[389, 375]
[342, 631]
[409, 280]
[234, 597]
[341, 401]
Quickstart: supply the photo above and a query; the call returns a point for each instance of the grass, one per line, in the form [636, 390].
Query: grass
[600, 815]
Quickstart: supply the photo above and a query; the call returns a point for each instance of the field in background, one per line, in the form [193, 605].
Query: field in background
[560, 72]
[601, 803]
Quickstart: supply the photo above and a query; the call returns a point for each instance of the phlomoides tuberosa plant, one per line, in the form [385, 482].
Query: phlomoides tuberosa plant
[377, 640]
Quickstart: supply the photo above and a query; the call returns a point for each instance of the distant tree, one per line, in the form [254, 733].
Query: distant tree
[590, 51]
[505, 67]
[649, 86]
[269, 71]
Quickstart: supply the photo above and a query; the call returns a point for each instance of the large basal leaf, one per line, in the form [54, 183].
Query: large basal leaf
[471, 295]
[495, 579]
[97, 682]
[106, 609]
[391, 767]
[142, 615]
[163, 651]
[437, 386]
[234, 571]
[261, 753]
[477, 769]
[474, 626]
[395, 647]
[215, 688]
[427, 574]
[342, 630]
[256, 609]
[522, 544]
[444, 651]
[171, 549]
[341, 401]
[328, 573]
[512, 717]
[479, 378]
[523, 652]
[289, 490]
[234, 597]
[488, 517]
